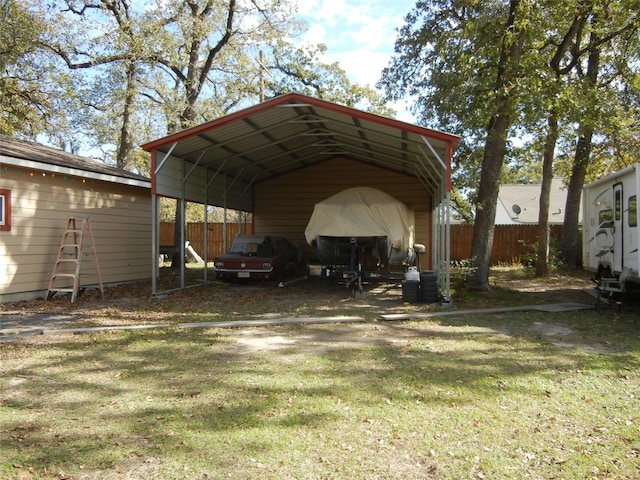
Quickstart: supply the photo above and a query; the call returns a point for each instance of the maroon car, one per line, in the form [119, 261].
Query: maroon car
[262, 257]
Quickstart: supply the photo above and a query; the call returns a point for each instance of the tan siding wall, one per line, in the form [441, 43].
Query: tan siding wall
[283, 205]
[120, 220]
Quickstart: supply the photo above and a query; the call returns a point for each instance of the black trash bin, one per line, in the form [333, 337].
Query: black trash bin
[411, 291]
[428, 286]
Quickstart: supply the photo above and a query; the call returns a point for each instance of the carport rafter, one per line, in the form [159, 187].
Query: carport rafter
[270, 158]
[237, 155]
[388, 161]
[166, 157]
[271, 139]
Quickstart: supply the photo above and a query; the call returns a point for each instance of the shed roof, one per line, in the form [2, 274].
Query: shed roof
[293, 131]
[36, 156]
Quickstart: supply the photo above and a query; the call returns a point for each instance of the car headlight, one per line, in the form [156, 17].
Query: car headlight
[266, 265]
[219, 264]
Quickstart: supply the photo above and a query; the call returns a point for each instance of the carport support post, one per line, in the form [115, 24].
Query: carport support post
[447, 248]
[441, 221]
[206, 227]
[224, 230]
[181, 206]
[224, 224]
[206, 243]
[155, 235]
[442, 245]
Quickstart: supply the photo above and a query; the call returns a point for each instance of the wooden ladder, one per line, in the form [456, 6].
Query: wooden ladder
[69, 259]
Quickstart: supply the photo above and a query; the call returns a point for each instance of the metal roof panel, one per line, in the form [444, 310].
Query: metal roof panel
[293, 131]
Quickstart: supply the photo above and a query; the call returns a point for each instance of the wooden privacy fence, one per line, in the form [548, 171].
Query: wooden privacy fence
[194, 234]
[511, 243]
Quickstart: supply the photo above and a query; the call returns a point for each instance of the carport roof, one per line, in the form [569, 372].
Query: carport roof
[293, 131]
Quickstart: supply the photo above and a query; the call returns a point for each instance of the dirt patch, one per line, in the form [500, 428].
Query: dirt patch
[319, 339]
[563, 336]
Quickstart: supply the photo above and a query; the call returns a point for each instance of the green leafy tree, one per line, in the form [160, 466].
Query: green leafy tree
[461, 61]
[33, 93]
[497, 71]
[301, 69]
[144, 70]
[162, 68]
[602, 60]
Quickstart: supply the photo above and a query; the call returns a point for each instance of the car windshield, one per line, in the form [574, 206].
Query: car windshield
[252, 245]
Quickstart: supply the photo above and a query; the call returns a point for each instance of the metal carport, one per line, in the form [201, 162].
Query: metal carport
[218, 162]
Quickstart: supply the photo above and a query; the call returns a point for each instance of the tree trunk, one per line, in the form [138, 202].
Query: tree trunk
[125, 149]
[494, 152]
[570, 245]
[542, 261]
[482, 240]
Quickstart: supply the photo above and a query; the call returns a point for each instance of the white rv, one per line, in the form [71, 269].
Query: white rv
[610, 238]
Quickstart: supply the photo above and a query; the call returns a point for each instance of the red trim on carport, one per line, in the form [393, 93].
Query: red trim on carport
[303, 99]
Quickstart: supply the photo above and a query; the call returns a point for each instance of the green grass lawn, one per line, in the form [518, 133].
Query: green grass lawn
[503, 396]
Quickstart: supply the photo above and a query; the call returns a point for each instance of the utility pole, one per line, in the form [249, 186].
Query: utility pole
[262, 69]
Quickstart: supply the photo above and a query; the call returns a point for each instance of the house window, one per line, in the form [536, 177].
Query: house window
[633, 211]
[5, 210]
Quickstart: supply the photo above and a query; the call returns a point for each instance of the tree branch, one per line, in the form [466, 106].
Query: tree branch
[220, 44]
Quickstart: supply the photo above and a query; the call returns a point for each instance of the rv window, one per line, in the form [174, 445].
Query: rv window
[605, 218]
[633, 211]
[618, 205]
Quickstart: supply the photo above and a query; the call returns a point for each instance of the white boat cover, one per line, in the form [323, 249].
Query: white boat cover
[363, 212]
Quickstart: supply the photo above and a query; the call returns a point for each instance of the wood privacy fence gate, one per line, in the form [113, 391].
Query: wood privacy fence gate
[511, 243]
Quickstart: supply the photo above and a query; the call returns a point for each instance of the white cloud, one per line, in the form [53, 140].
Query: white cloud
[359, 34]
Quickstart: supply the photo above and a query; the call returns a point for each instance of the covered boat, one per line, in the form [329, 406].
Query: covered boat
[361, 233]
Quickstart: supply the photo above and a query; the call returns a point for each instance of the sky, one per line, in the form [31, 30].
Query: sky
[359, 35]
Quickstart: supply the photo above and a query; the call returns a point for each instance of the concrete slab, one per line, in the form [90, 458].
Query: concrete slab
[106, 328]
[14, 334]
[557, 307]
[562, 307]
[11, 335]
[271, 321]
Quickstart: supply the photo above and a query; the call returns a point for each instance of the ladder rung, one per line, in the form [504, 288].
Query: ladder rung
[68, 256]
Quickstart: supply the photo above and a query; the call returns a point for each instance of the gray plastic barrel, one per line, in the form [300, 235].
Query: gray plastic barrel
[411, 291]
[428, 286]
